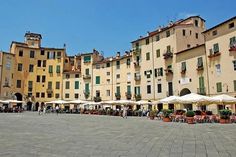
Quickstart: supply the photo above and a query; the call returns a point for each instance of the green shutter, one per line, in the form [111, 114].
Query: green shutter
[50, 70]
[87, 87]
[201, 85]
[219, 87]
[87, 71]
[118, 90]
[76, 84]
[199, 62]
[129, 89]
[87, 59]
[234, 85]
[97, 79]
[158, 53]
[58, 69]
[216, 48]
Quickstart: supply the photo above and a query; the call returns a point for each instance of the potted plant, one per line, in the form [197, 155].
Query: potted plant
[152, 114]
[225, 116]
[190, 117]
[166, 115]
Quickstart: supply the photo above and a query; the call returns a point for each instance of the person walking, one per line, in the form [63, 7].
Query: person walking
[57, 109]
[39, 110]
[44, 110]
[125, 112]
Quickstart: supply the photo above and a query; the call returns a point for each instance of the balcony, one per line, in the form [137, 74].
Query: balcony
[86, 94]
[168, 71]
[97, 99]
[49, 91]
[136, 64]
[168, 54]
[215, 54]
[200, 68]
[128, 95]
[87, 76]
[137, 51]
[138, 97]
[118, 96]
[232, 47]
[137, 77]
[183, 71]
[201, 91]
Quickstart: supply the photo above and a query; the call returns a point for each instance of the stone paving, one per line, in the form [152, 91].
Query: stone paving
[71, 135]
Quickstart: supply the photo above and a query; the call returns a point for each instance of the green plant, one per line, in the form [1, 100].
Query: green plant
[153, 113]
[166, 113]
[225, 114]
[190, 113]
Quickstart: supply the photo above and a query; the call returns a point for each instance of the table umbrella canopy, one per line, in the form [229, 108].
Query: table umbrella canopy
[124, 102]
[78, 101]
[195, 98]
[11, 101]
[224, 99]
[92, 103]
[57, 102]
[170, 100]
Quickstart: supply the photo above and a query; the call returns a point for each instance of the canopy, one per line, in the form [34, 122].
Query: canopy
[195, 98]
[142, 102]
[92, 103]
[78, 101]
[11, 101]
[170, 100]
[57, 102]
[224, 99]
[124, 102]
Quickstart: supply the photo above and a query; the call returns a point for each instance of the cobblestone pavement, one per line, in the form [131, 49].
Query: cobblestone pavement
[67, 135]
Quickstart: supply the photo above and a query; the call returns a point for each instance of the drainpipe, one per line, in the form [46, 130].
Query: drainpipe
[153, 73]
[208, 84]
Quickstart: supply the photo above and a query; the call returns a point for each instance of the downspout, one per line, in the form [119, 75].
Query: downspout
[153, 73]
[208, 84]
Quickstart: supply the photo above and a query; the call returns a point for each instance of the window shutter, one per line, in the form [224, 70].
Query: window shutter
[155, 72]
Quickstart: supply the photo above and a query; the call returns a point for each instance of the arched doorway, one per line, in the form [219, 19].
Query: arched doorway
[184, 92]
[37, 106]
[18, 96]
[29, 106]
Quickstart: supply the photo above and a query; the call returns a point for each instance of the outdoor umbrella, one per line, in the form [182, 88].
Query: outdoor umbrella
[78, 101]
[224, 99]
[57, 102]
[195, 98]
[170, 100]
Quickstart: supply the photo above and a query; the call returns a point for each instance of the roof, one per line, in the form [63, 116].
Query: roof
[219, 24]
[189, 49]
[33, 35]
[26, 45]
[176, 23]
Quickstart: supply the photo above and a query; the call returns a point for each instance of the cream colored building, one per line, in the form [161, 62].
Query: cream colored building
[155, 60]
[220, 42]
[37, 73]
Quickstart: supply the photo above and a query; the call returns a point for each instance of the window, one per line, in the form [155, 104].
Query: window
[57, 85]
[108, 65]
[234, 85]
[42, 52]
[31, 54]
[183, 66]
[58, 54]
[18, 83]
[76, 75]
[67, 84]
[157, 37]
[214, 33]
[158, 53]
[108, 92]
[190, 32]
[20, 67]
[147, 41]
[128, 61]
[49, 85]
[30, 86]
[67, 76]
[39, 63]
[117, 76]
[57, 95]
[87, 90]
[231, 25]
[117, 64]
[50, 55]
[118, 89]
[86, 71]
[196, 35]
[87, 59]
[159, 88]
[43, 78]
[97, 66]
[38, 78]
[219, 87]
[21, 53]
[234, 62]
[76, 84]
[160, 72]
[148, 56]
[76, 95]
[184, 32]
[37, 94]
[168, 49]
[137, 90]
[58, 70]
[148, 89]
[129, 89]
[44, 63]
[196, 23]
[42, 95]
[97, 79]
[67, 95]
[216, 48]
[31, 68]
[218, 70]
[232, 42]
[167, 33]
[50, 69]
[199, 62]
[128, 77]
[108, 73]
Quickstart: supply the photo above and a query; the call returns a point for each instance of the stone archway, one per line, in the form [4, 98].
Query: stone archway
[36, 106]
[29, 106]
[18, 96]
[184, 92]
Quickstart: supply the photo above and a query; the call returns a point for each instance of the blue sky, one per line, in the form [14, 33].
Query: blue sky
[107, 25]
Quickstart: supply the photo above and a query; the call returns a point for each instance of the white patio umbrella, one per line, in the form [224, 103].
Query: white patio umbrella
[124, 102]
[195, 98]
[224, 99]
[142, 102]
[170, 100]
[11, 101]
[78, 101]
[57, 102]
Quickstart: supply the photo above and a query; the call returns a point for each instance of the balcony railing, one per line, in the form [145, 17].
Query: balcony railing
[201, 91]
[88, 76]
[136, 64]
[137, 77]
[200, 67]
[97, 99]
[168, 54]
[49, 91]
[128, 95]
[86, 94]
[183, 71]
[168, 71]
[214, 54]
[118, 96]
[232, 47]
[138, 97]
[137, 51]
